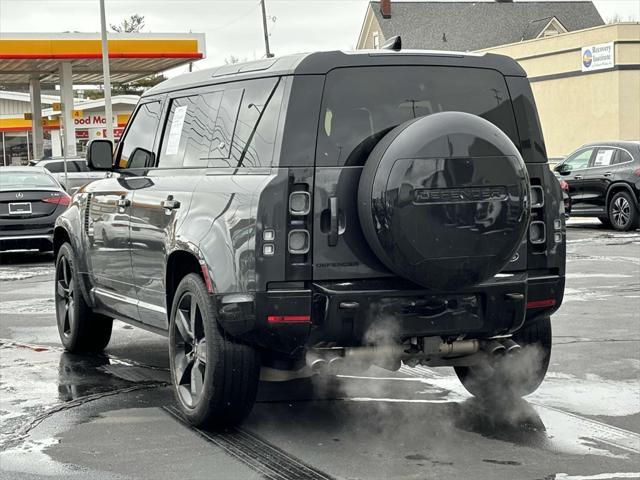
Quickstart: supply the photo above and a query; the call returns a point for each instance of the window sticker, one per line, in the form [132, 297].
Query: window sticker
[603, 158]
[177, 122]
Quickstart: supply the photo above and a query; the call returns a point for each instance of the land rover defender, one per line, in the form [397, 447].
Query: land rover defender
[316, 213]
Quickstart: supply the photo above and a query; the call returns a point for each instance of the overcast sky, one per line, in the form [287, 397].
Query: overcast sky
[232, 27]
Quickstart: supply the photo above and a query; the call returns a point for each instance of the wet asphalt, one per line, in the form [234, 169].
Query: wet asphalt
[113, 417]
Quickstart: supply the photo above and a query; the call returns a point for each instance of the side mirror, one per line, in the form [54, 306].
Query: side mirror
[563, 169]
[100, 155]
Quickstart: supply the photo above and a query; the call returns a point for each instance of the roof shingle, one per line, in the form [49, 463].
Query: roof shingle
[467, 26]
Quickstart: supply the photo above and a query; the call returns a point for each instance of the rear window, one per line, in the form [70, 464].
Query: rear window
[25, 181]
[360, 105]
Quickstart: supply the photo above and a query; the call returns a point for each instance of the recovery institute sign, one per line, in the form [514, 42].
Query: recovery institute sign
[598, 57]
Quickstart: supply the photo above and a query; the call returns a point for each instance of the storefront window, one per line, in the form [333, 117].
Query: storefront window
[16, 148]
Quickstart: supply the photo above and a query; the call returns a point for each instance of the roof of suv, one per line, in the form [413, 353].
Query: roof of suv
[320, 63]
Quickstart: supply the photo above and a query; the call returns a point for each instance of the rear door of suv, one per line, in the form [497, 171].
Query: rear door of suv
[359, 106]
[163, 190]
[215, 150]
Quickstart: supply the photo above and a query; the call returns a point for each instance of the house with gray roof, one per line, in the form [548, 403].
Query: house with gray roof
[468, 26]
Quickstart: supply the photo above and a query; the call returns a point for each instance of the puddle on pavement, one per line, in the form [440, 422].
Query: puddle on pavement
[36, 305]
[38, 381]
[8, 273]
[539, 421]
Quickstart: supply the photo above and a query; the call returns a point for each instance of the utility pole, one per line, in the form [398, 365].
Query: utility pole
[106, 74]
[264, 28]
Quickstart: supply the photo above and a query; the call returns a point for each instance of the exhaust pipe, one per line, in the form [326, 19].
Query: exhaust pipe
[315, 362]
[336, 364]
[493, 347]
[511, 346]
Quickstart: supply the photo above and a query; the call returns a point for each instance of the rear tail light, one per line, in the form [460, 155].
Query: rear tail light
[298, 235]
[299, 203]
[537, 196]
[537, 233]
[636, 172]
[62, 199]
[549, 302]
[299, 241]
[565, 186]
[288, 319]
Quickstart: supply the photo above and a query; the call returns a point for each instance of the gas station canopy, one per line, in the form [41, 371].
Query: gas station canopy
[68, 59]
[132, 56]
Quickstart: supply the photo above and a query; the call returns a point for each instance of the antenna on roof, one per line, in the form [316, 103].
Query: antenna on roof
[394, 43]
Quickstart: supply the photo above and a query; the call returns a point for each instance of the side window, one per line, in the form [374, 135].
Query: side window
[141, 133]
[578, 160]
[255, 132]
[225, 126]
[235, 127]
[623, 157]
[55, 167]
[604, 157]
[189, 131]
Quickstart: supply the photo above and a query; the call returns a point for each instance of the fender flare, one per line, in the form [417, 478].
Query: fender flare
[618, 185]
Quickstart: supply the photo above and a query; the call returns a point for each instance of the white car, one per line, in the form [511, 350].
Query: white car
[78, 174]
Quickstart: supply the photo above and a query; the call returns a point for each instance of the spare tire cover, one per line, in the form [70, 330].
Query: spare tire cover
[443, 200]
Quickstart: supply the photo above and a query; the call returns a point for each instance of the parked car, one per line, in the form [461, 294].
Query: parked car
[324, 211]
[78, 172]
[604, 182]
[30, 201]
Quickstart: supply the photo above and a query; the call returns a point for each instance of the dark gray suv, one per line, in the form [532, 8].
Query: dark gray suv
[321, 212]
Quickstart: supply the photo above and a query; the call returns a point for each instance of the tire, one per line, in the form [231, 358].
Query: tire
[605, 221]
[80, 329]
[517, 374]
[215, 379]
[623, 213]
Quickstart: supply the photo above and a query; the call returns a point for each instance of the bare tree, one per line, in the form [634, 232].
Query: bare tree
[232, 60]
[617, 18]
[133, 24]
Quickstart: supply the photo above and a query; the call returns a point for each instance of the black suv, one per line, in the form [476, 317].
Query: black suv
[320, 212]
[604, 182]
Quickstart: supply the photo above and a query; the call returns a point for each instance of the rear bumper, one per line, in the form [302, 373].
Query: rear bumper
[25, 240]
[31, 232]
[354, 313]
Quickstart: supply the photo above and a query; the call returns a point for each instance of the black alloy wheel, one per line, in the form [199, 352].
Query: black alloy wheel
[215, 377]
[190, 354]
[79, 327]
[65, 304]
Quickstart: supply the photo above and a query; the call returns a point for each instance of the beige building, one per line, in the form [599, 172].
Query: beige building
[585, 75]
[576, 104]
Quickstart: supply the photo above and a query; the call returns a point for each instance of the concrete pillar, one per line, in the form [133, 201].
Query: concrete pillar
[66, 98]
[37, 149]
[56, 143]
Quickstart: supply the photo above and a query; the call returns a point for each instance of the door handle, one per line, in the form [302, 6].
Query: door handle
[123, 202]
[333, 228]
[578, 177]
[608, 174]
[170, 203]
